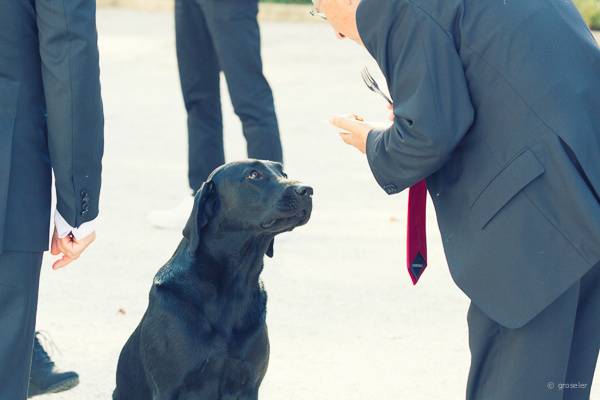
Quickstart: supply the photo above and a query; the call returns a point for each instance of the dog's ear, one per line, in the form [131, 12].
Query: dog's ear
[270, 249]
[203, 211]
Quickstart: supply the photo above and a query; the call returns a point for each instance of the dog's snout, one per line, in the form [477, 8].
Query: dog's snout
[304, 191]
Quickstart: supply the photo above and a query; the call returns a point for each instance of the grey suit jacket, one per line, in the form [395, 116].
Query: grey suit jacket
[50, 118]
[497, 104]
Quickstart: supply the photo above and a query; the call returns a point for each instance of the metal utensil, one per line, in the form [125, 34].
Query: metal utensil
[372, 84]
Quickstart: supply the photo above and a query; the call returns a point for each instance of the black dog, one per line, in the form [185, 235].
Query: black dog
[204, 335]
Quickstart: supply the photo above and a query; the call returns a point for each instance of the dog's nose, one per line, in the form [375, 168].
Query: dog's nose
[304, 190]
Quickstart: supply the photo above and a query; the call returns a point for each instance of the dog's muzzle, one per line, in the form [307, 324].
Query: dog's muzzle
[295, 208]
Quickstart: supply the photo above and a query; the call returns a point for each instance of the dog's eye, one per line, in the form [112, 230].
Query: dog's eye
[254, 175]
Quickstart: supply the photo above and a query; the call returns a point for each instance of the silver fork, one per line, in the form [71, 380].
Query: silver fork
[372, 84]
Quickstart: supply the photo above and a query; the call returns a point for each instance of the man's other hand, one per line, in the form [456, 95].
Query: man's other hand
[354, 131]
[70, 248]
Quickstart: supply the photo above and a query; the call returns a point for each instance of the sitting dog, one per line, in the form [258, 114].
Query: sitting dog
[204, 334]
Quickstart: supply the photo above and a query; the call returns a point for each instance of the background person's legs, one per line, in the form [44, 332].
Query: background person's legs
[199, 75]
[236, 37]
[527, 363]
[19, 283]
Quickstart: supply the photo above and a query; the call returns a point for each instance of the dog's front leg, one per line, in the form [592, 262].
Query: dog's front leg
[167, 349]
[198, 394]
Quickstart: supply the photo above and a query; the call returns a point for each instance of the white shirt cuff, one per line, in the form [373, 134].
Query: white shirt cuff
[63, 228]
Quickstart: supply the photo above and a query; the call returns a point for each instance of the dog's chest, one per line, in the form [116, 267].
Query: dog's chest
[239, 362]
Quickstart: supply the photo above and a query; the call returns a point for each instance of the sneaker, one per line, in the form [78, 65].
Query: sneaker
[174, 218]
[45, 377]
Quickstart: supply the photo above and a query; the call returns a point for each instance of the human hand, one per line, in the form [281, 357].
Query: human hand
[390, 108]
[354, 131]
[70, 248]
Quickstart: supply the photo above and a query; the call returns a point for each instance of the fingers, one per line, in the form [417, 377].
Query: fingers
[54, 250]
[353, 130]
[390, 107]
[67, 247]
[355, 140]
[350, 123]
[346, 137]
[70, 248]
[62, 262]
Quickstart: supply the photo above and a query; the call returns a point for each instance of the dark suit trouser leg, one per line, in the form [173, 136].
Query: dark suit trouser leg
[586, 339]
[19, 282]
[557, 347]
[199, 76]
[236, 37]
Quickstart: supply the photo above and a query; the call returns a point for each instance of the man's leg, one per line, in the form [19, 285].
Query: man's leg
[586, 339]
[236, 36]
[528, 363]
[19, 283]
[199, 76]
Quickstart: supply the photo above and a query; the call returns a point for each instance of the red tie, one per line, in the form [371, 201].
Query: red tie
[416, 235]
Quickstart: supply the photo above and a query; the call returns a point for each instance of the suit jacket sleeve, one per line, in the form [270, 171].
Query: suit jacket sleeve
[426, 80]
[71, 76]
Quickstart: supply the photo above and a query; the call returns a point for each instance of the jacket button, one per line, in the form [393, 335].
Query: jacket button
[390, 189]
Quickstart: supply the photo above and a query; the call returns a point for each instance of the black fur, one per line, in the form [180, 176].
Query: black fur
[204, 334]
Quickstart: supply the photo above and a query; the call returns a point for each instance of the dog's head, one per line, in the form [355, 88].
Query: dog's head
[251, 196]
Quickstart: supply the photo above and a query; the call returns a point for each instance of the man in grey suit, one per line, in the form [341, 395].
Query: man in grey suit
[497, 106]
[50, 120]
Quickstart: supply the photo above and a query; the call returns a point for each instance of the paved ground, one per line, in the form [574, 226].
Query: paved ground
[268, 11]
[344, 321]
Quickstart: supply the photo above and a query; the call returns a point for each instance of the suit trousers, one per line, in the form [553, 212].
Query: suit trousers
[19, 283]
[214, 36]
[553, 357]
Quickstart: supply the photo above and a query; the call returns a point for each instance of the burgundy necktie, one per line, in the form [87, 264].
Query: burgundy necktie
[416, 235]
